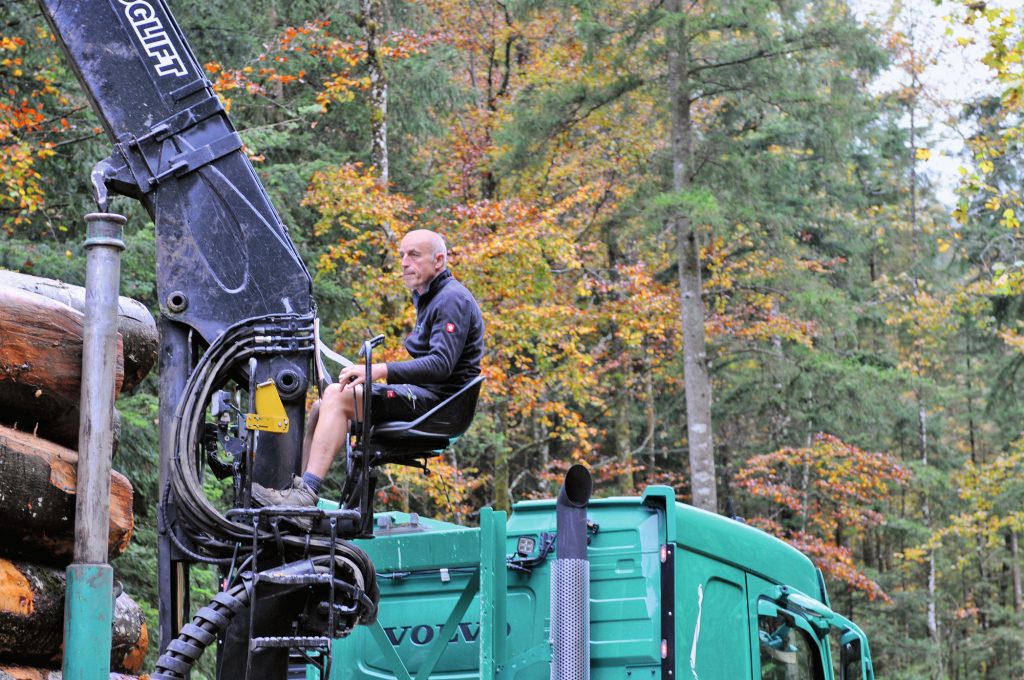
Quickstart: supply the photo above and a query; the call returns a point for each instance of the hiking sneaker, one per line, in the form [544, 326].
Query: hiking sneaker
[299, 495]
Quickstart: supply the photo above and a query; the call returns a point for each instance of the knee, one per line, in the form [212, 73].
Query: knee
[337, 401]
[331, 399]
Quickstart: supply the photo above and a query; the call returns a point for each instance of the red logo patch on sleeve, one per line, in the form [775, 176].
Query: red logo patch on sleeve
[391, 394]
[449, 327]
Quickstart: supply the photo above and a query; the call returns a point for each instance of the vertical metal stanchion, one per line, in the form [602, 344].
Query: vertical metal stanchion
[88, 606]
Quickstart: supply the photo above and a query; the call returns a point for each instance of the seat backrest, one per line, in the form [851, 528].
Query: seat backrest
[450, 418]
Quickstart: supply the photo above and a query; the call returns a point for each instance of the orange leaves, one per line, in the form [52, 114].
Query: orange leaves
[522, 267]
[310, 55]
[10, 43]
[446, 489]
[23, 193]
[830, 492]
[27, 125]
[340, 87]
[848, 478]
[516, 257]
[835, 562]
[405, 43]
[1013, 338]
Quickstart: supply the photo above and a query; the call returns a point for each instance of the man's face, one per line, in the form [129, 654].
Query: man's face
[420, 264]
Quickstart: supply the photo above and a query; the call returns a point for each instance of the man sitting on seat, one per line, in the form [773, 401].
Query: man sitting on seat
[446, 347]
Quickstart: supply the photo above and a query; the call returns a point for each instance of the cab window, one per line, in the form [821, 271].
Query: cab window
[787, 652]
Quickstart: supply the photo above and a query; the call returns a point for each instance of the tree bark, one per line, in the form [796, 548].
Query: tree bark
[63, 430]
[37, 501]
[621, 435]
[372, 21]
[697, 381]
[1018, 591]
[41, 365]
[134, 321]
[277, 86]
[651, 413]
[922, 414]
[32, 620]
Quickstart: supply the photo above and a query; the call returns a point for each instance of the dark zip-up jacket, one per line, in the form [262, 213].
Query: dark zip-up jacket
[448, 341]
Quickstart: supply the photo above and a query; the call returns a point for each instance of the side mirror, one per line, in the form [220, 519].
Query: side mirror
[854, 664]
[855, 654]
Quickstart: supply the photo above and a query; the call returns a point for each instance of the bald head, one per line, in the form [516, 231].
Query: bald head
[427, 239]
[424, 256]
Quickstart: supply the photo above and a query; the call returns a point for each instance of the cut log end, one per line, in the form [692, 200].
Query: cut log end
[38, 480]
[32, 620]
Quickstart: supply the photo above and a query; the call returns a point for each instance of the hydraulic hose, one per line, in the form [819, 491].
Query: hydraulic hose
[212, 621]
[217, 538]
[208, 623]
[220, 535]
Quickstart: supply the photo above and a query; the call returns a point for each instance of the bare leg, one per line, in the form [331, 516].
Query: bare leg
[336, 412]
[307, 440]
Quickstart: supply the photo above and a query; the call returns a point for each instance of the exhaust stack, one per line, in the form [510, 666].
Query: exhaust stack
[570, 580]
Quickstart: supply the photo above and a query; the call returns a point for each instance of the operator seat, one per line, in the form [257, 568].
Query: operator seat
[398, 441]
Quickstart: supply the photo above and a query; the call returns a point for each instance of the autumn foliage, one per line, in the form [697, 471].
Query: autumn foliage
[28, 126]
[841, 296]
[822, 498]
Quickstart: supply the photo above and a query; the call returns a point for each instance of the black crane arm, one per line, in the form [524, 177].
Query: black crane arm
[222, 252]
[235, 298]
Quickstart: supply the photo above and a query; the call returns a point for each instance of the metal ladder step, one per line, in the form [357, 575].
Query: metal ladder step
[321, 643]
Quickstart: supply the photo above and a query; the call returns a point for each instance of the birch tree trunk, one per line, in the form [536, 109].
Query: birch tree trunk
[372, 21]
[1018, 591]
[922, 414]
[697, 382]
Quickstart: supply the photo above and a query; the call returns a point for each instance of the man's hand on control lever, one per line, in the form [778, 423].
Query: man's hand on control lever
[356, 374]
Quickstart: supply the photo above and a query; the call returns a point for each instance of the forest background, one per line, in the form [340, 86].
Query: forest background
[603, 170]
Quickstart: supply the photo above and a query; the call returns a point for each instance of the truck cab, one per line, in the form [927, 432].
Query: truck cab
[673, 592]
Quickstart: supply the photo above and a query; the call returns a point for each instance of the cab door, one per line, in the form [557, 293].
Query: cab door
[712, 627]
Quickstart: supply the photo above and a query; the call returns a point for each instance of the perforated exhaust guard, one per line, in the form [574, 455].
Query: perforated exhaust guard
[570, 581]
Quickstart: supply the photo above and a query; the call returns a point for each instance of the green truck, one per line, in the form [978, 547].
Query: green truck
[670, 592]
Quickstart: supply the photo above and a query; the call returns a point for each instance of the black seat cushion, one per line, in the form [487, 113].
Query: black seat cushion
[437, 427]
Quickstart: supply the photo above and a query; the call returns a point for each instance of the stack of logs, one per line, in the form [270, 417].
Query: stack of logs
[41, 325]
